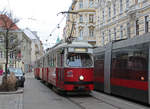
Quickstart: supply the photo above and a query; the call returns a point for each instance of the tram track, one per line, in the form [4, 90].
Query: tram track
[90, 102]
[107, 103]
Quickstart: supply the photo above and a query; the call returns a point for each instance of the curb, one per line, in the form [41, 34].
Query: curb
[13, 92]
[117, 102]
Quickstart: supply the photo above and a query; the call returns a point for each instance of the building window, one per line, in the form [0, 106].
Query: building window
[115, 34]
[121, 32]
[121, 6]
[11, 39]
[109, 36]
[91, 3]
[137, 27]
[11, 55]
[81, 4]
[91, 32]
[127, 3]
[109, 12]
[128, 30]
[103, 35]
[103, 15]
[81, 33]
[146, 24]
[91, 18]
[1, 54]
[81, 19]
[1, 39]
[114, 8]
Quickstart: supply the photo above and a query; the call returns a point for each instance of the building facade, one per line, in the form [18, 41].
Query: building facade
[121, 19]
[19, 56]
[37, 49]
[82, 24]
[19, 46]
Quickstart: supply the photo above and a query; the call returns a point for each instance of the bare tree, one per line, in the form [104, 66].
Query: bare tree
[8, 27]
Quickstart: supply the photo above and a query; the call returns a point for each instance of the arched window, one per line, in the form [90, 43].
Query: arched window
[81, 32]
[11, 39]
[91, 3]
[81, 18]
[81, 4]
[91, 32]
[1, 39]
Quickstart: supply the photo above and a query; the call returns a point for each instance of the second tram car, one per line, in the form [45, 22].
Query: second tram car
[67, 67]
[123, 68]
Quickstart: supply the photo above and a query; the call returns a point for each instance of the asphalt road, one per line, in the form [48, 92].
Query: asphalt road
[39, 96]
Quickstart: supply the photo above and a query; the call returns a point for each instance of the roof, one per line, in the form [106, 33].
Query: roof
[30, 34]
[6, 22]
[77, 44]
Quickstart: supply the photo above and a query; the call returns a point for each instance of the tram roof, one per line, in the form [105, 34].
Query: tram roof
[77, 44]
[124, 43]
[74, 44]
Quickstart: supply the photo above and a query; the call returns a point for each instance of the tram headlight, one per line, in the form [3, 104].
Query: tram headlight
[81, 78]
[142, 78]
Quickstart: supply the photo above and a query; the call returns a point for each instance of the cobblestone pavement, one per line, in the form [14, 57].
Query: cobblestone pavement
[11, 101]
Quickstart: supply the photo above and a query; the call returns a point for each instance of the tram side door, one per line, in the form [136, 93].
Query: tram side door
[60, 64]
[107, 68]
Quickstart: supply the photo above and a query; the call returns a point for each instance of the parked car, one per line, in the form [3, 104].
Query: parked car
[19, 75]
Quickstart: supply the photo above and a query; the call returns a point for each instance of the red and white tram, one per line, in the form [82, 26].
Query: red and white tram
[67, 67]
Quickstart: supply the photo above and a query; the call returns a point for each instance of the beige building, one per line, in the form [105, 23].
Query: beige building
[20, 54]
[36, 45]
[19, 45]
[83, 23]
[121, 19]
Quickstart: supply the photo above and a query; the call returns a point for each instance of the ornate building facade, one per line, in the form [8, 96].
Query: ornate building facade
[121, 19]
[82, 24]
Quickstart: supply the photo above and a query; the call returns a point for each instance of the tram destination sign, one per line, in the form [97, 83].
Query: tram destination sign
[80, 49]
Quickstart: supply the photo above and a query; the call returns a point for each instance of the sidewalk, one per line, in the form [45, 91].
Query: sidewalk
[11, 101]
[118, 102]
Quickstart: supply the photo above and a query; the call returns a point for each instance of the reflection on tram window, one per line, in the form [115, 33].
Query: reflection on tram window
[79, 60]
[130, 63]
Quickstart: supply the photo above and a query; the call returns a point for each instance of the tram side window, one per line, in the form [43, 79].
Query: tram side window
[137, 63]
[99, 65]
[60, 60]
[48, 60]
[43, 62]
[52, 64]
[119, 64]
[131, 62]
[52, 61]
[38, 65]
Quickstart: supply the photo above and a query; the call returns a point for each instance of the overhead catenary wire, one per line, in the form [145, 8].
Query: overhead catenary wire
[56, 27]
[58, 24]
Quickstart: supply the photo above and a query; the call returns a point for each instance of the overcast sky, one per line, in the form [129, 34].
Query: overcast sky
[39, 15]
